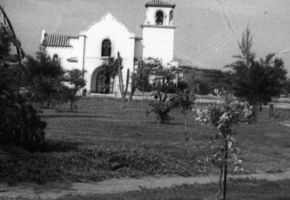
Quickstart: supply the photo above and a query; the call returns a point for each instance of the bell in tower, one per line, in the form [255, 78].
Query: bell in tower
[159, 17]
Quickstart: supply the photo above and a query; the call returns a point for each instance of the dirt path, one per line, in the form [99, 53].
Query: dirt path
[57, 190]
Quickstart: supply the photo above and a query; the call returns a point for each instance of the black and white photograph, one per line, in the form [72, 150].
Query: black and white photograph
[144, 99]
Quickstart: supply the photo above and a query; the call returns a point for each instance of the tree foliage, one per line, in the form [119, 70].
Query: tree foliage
[45, 78]
[19, 124]
[75, 82]
[164, 82]
[257, 80]
[5, 45]
[223, 151]
[183, 101]
[286, 89]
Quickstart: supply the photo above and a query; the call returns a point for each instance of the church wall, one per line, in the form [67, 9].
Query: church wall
[138, 49]
[63, 54]
[158, 43]
[121, 40]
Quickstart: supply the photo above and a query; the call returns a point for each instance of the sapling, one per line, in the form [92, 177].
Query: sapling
[223, 151]
[183, 100]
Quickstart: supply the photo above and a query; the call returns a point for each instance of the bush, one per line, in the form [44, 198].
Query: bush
[19, 124]
[162, 110]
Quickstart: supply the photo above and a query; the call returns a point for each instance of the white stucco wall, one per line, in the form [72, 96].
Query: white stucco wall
[63, 54]
[122, 41]
[158, 42]
[138, 49]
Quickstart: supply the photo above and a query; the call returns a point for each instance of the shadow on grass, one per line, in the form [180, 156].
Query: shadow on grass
[69, 115]
[58, 146]
[49, 146]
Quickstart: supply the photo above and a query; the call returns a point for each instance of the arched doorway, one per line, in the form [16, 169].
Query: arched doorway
[102, 81]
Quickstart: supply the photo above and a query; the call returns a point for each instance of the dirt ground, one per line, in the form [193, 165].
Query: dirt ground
[57, 190]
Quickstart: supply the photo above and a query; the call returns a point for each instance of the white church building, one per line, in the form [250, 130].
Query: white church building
[102, 40]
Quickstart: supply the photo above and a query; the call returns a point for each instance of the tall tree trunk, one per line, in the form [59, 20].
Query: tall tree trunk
[220, 190]
[185, 129]
[225, 169]
[71, 106]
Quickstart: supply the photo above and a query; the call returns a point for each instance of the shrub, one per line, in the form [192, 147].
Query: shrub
[19, 124]
[162, 110]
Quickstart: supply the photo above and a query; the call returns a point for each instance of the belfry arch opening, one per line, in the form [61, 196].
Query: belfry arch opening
[159, 17]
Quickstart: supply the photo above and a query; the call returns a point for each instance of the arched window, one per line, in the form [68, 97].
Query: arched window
[106, 48]
[159, 17]
[55, 57]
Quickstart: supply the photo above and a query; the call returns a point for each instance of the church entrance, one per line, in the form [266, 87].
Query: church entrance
[102, 81]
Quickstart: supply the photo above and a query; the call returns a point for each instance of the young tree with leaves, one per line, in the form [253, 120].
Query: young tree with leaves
[165, 82]
[223, 152]
[74, 79]
[183, 101]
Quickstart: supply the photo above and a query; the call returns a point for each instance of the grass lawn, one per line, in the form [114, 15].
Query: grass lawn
[237, 190]
[255, 190]
[105, 139]
[247, 189]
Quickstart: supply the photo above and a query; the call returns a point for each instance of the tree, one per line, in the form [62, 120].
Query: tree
[268, 78]
[45, 78]
[164, 83]
[140, 79]
[287, 88]
[5, 45]
[19, 124]
[256, 80]
[223, 152]
[183, 100]
[76, 82]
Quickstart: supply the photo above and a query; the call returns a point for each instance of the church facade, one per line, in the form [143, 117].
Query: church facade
[91, 50]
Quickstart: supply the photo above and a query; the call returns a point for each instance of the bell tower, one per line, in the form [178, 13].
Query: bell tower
[158, 31]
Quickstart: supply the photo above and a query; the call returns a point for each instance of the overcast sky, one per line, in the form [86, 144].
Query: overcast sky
[207, 30]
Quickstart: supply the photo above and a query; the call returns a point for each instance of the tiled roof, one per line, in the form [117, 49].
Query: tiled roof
[56, 40]
[159, 3]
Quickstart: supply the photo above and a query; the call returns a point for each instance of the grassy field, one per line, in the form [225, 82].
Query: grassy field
[255, 190]
[105, 139]
[246, 189]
